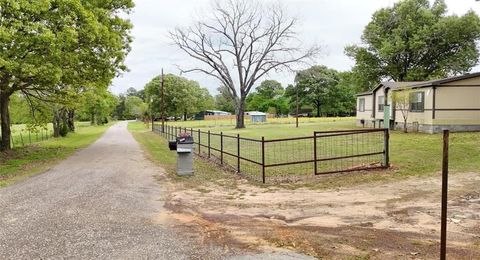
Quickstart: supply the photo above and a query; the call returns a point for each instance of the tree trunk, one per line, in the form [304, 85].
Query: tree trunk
[318, 110]
[71, 120]
[5, 123]
[92, 118]
[405, 129]
[240, 112]
[56, 123]
[184, 116]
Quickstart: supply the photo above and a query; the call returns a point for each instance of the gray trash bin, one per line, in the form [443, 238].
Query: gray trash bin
[185, 156]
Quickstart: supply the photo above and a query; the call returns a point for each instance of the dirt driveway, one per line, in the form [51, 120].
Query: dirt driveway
[397, 220]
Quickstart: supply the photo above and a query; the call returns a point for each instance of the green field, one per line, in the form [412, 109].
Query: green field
[26, 161]
[411, 154]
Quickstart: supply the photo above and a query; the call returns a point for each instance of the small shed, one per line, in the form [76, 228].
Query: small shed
[201, 115]
[256, 116]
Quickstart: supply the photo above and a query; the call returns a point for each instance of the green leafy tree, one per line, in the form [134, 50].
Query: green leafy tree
[270, 89]
[98, 105]
[414, 41]
[137, 93]
[183, 97]
[134, 107]
[315, 86]
[120, 108]
[52, 48]
[224, 101]
[269, 97]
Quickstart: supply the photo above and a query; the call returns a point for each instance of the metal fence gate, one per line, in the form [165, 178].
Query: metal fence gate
[350, 150]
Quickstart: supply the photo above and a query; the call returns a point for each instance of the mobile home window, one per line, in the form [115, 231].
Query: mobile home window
[417, 101]
[361, 104]
[381, 103]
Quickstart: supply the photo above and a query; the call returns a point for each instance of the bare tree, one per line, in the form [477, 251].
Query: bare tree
[242, 42]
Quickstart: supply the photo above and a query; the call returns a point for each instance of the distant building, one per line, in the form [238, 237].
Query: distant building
[201, 115]
[256, 116]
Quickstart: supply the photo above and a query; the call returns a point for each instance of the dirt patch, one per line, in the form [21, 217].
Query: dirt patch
[387, 220]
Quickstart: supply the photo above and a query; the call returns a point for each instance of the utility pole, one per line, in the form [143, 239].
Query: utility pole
[162, 94]
[296, 120]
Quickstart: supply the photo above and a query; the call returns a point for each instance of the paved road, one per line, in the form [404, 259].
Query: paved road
[99, 203]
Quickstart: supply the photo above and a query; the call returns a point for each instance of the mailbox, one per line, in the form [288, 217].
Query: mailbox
[184, 147]
[172, 145]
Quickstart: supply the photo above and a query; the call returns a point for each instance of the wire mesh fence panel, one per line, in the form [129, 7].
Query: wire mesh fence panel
[24, 137]
[215, 147]
[250, 158]
[349, 151]
[230, 152]
[289, 157]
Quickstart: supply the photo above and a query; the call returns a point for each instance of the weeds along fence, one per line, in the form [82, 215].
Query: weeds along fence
[22, 138]
[291, 159]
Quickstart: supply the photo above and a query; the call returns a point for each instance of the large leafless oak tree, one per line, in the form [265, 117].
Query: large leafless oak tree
[240, 43]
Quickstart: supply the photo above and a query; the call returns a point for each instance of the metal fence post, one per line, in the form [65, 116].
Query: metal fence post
[263, 160]
[443, 231]
[386, 147]
[238, 152]
[208, 143]
[221, 147]
[199, 141]
[314, 153]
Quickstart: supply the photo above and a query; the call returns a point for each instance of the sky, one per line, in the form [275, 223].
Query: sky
[329, 24]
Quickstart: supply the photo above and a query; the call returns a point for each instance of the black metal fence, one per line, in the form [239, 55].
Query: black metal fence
[288, 159]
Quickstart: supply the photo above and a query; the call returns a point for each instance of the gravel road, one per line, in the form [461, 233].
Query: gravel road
[98, 204]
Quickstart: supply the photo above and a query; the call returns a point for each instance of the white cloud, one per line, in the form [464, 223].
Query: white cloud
[332, 24]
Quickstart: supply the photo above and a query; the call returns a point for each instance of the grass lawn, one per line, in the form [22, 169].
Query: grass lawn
[25, 161]
[411, 154]
[158, 151]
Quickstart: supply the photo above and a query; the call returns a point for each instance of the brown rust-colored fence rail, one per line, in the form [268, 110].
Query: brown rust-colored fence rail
[291, 158]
